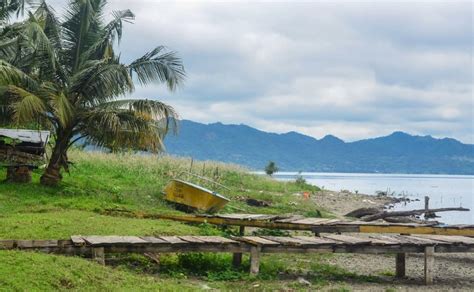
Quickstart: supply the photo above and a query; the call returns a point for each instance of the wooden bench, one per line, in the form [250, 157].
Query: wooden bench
[98, 246]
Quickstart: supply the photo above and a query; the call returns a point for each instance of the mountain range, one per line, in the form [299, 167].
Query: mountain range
[396, 153]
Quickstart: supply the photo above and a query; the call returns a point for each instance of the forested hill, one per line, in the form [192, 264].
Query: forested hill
[396, 153]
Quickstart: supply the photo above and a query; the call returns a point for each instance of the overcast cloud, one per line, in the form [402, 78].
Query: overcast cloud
[351, 69]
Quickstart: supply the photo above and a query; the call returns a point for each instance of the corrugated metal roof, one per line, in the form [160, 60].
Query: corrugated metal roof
[32, 136]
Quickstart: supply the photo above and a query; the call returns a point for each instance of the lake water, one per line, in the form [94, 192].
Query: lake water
[443, 190]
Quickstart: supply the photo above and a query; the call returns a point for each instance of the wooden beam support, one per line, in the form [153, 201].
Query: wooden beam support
[429, 264]
[400, 265]
[98, 255]
[237, 257]
[255, 260]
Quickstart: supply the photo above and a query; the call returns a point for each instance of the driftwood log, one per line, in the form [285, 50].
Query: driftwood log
[361, 212]
[385, 214]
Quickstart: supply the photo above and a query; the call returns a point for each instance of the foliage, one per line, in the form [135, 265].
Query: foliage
[64, 73]
[271, 168]
[300, 180]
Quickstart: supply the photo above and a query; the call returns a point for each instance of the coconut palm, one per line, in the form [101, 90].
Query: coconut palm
[8, 7]
[66, 74]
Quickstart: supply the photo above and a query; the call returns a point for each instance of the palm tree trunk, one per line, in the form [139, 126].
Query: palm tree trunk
[52, 175]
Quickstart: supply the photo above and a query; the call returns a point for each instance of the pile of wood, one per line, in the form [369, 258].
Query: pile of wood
[372, 214]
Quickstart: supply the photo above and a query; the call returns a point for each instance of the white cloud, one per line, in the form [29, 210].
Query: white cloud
[351, 69]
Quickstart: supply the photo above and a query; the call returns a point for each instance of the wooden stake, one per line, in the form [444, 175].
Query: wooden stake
[429, 264]
[400, 265]
[254, 260]
[98, 255]
[237, 257]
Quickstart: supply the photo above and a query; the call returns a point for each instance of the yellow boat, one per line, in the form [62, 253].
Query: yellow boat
[194, 196]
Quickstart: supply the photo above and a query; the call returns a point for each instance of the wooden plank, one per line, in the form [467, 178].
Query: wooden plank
[429, 264]
[383, 240]
[113, 240]
[192, 239]
[418, 241]
[36, 243]
[287, 240]
[173, 239]
[450, 238]
[314, 240]
[401, 229]
[347, 239]
[290, 219]
[7, 244]
[314, 221]
[255, 240]
[154, 240]
[221, 239]
[77, 240]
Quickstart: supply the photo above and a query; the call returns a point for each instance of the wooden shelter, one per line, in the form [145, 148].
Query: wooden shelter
[22, 150]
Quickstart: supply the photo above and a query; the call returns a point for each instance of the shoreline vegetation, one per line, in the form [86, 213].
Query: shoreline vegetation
[101, 181]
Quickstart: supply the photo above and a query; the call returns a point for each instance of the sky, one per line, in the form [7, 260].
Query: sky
[351, 69]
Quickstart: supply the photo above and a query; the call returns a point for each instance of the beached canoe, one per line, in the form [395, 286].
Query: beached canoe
[194, 196]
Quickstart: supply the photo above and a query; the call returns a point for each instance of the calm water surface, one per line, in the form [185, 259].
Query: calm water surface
[443, 190]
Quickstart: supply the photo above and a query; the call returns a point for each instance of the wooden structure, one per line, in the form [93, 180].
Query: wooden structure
[98, 246]
[22, 150]
[320, 225]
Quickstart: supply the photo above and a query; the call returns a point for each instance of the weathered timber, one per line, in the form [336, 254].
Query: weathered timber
[408, 213]
[255, 259]
[429, 264]
[98, 246]
[113, 240]
[347, 239]
[255, 240]
[98, 254]
[237, 257]
[318, 225]
[400, 259]
[361, 212]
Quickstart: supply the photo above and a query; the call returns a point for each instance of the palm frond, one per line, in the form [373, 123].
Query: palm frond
[122, 129]
[26, 106]
[103, 48]
[82, 28]
[165, 115]
[157, 65]
[100, 81]
[10, 75]
[59, 105]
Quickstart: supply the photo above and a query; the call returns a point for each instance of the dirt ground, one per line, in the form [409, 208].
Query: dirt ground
[341, 203]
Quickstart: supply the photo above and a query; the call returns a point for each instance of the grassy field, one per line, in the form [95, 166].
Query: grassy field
[99, 182]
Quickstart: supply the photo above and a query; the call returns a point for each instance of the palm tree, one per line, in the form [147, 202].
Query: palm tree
[8, 7]
[66, 75]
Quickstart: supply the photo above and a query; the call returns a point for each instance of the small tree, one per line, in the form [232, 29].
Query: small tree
[271, 168]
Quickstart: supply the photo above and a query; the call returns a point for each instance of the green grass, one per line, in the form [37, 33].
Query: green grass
[99, 182]
[29, 271]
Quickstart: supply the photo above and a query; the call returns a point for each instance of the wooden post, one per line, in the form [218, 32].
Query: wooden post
[400, 265]
[254, 260]
[98, 255]
[429, 264]
[237, 257]
[427, 203]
